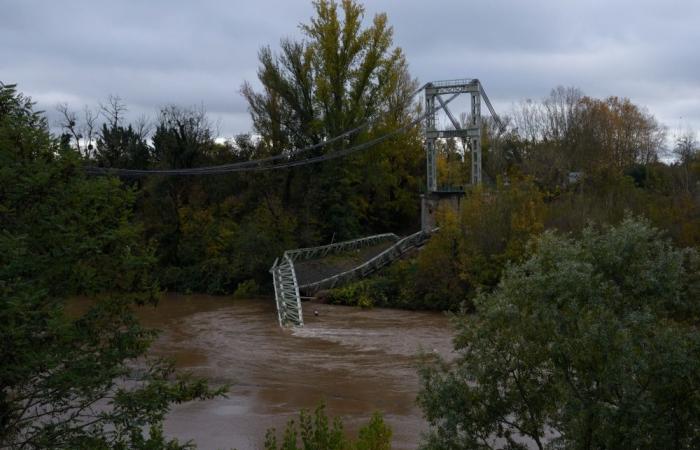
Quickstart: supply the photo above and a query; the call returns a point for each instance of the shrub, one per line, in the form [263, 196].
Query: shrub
[247, 289]
[315, 432]
[589, 344]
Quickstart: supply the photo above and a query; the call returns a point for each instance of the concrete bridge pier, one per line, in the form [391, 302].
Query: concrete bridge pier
[436, 201]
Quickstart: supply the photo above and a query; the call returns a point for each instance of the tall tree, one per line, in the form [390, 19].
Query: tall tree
[183, 138]
[614, 133]
[73, 381]
[339, 77]
[686, 151]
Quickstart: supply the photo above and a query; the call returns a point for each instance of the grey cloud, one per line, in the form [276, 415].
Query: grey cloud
[159, 52]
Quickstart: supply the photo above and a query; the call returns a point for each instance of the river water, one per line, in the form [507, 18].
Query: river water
[356, 361]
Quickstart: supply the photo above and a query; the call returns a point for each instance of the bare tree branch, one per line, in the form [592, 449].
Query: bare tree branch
[113, 110]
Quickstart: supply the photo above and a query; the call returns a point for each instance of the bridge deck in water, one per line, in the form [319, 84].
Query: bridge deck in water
[330, 266]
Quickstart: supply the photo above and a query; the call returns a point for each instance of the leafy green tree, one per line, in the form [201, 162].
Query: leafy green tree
[182, 139]
[338, 78]
[122, 147]
[589, 344]
[73, 380]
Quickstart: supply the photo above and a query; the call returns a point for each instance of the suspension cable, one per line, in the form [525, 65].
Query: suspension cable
[263, 163]
[242, 165]
[260, 167]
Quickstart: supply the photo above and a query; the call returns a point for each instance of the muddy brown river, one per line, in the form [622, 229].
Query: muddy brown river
[356, 361]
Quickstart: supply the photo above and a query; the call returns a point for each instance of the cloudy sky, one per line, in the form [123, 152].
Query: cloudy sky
[153, 53]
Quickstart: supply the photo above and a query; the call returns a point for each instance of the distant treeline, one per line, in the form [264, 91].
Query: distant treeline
[565, 161]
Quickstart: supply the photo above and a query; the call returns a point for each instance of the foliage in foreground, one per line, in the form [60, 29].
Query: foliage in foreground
[314, 432]
[589, 344]
[73, 380]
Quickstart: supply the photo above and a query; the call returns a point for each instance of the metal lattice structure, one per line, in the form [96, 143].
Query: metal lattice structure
[338, 247]
[470, 132]
[284, 279]
[371, 265]
[287, 289]
[287, 296]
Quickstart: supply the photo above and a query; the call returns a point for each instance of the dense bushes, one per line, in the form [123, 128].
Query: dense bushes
[314, 432]
[493, 226]
[588, 344]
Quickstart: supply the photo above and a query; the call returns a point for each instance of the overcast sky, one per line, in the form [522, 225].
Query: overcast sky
[153, 53]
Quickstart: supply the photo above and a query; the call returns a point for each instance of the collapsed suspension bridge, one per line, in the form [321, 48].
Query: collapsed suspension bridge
[285, 280]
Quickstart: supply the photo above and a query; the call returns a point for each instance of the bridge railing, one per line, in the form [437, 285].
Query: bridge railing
[284, 279]
[301, 254]
[369, 266]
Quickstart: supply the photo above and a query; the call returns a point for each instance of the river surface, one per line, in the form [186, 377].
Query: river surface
[356, 361]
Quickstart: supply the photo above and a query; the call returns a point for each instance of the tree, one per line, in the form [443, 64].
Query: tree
[83, 133]
[686, 150]
[339, 78]
[183, 138]
[474, 245]
[569, 132]
[78, 380]
[452, 170]
[122, 147]
[544, 135]
[615, 133]
[589, 344]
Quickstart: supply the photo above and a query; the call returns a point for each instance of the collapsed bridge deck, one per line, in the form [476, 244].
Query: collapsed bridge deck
[311, 269]
[316, 269]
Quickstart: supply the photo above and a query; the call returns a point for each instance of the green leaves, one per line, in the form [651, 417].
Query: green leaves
[587, 344]
[340, 77]
[315, 432]
[73, 380]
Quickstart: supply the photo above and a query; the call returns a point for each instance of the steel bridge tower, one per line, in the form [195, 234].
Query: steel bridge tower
[470, 133]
